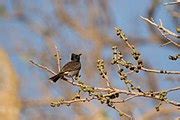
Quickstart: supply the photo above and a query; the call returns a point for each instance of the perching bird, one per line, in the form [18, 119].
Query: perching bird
[70, 69]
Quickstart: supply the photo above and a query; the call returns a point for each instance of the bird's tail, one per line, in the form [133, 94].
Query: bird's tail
[56, 77]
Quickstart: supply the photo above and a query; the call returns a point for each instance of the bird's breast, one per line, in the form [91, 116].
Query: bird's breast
[71, 74]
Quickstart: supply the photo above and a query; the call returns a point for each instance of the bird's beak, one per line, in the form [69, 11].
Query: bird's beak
[80, 54]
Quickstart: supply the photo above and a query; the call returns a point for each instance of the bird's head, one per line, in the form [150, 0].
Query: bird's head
[75, 57]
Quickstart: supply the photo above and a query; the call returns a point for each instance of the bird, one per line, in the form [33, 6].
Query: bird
[70, 69]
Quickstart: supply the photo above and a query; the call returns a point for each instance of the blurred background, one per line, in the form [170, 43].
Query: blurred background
[30, 28]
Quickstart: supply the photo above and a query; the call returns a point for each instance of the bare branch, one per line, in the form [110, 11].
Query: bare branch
[163, 31]
[43, 67]
[124, 100]
[160, 71]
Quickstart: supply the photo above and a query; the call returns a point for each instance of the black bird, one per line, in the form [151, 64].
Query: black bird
[70, 69]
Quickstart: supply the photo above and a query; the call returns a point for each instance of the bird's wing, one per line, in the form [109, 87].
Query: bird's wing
[71, 66]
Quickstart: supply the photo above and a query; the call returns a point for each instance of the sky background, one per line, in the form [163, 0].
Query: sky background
[22, 43]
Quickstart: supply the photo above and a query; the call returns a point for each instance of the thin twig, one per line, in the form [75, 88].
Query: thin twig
[160, 27]
[122, 113]
[103, 73]
[43, 67]
[121, 101]
[68, 102]
[160, 71]
[163, 31]
[173, 89]
[173, 102]
[58, 58]
[165, 43]
[172, 3]
[169, 40]
[107, 81]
